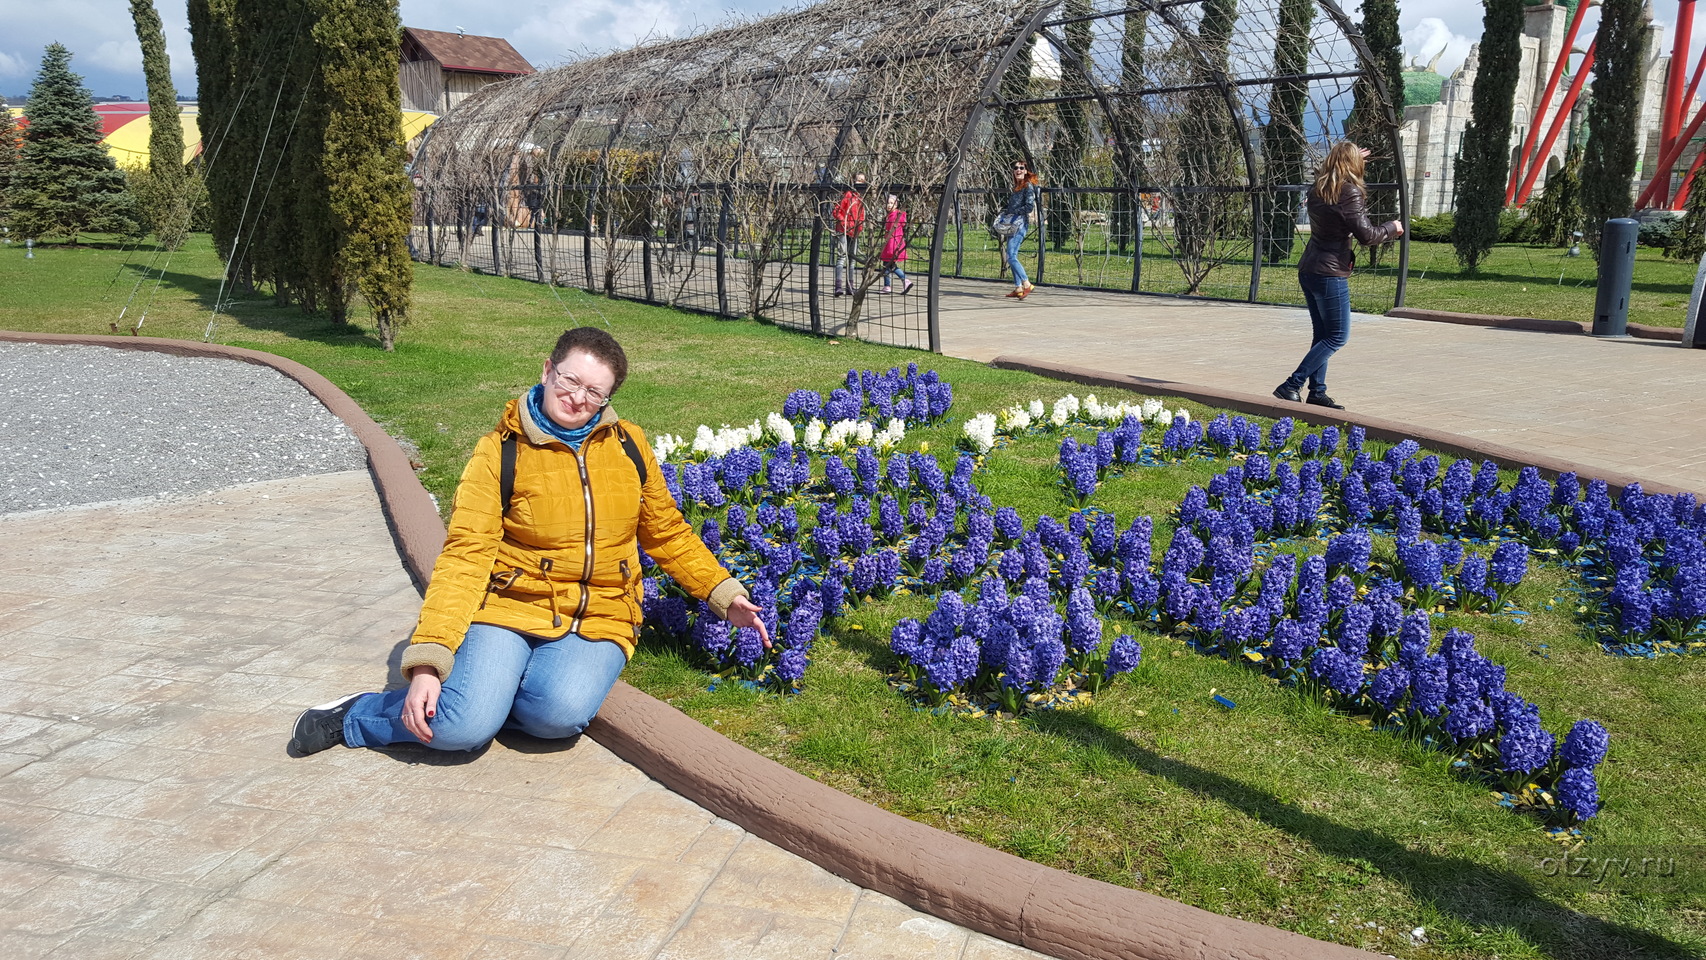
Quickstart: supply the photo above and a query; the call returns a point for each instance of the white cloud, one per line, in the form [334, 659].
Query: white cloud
[1431, 36]
[561, 31]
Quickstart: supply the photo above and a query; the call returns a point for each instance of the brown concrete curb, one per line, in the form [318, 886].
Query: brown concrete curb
[1044, 909]
[409, 509]
[1377, 427]
[1639, 330]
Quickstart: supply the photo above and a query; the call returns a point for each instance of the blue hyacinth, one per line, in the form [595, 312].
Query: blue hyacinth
[1578, 792]
[1585, 744]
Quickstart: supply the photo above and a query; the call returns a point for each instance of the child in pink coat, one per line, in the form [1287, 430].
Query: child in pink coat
[894, 246]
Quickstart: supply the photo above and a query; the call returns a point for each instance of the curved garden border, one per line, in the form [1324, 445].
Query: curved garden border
[996, 893]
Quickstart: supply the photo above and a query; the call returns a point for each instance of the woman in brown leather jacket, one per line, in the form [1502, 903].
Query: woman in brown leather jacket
[1337, 213]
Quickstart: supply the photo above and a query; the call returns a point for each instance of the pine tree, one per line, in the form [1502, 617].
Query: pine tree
[8, 160]
[1557, 213]
[1608, 164]
[368, 194]
[66, 183]
[1485, 162]
[1690, 245]
[1283, 137]
[168, 211]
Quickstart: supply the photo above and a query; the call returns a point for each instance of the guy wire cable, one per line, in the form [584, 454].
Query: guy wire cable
[207, 164]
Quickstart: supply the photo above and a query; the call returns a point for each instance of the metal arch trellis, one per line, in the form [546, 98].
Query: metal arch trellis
[702, 172]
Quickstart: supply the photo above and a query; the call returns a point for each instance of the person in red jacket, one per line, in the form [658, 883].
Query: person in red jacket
[849, 219]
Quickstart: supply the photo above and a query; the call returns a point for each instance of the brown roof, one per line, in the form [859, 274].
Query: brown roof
[455, 51]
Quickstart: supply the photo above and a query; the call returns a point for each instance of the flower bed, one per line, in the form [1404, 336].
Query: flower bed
[1018, 623]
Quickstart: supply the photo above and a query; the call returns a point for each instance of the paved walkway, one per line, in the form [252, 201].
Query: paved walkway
[152, 657]
[1631, 406]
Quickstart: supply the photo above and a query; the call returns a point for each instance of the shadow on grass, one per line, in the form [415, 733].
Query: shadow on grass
[256, 311]
[1479, 895]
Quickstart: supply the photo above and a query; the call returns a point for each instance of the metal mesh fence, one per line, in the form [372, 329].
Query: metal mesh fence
[720, 173]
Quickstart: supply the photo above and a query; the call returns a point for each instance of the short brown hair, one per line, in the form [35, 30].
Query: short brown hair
[597, 344]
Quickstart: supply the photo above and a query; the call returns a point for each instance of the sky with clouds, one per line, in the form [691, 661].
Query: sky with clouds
[103, 42]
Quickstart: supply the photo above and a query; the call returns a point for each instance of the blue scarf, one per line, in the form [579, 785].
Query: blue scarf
[535, 401]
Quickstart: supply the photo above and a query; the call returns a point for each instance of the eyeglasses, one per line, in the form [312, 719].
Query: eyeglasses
[570, 384]
[1019, 166]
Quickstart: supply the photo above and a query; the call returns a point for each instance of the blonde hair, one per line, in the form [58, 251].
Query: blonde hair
[1342, 166]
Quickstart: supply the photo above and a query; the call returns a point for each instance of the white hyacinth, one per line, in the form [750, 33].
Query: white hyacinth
[840, 432]
[1092, 407]
[866, 432]
[665, 445]
[814, 434]
[1037, 410]
[779, 428]
[1064, 410]
[703, 439]
[1151, 408]
[890, 436]
[980, 433]
[1014, 418]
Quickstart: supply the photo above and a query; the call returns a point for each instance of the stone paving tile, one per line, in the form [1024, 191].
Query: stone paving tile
[762, 876]
[882, 927]
[736, 933]
[148, 810]
[643, 915]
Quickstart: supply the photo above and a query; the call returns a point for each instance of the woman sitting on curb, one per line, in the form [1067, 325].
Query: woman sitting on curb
[534, 604]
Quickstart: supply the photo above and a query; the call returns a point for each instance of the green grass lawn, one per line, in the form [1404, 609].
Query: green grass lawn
[1279, 811]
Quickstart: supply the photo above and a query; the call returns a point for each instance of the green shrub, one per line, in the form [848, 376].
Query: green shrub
[1435, 229]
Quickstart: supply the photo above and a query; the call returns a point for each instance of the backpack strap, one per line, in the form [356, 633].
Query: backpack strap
[506, 470]
[506, 473]
[632, 449]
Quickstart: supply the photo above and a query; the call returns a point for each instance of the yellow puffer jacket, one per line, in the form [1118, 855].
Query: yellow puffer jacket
[565, 559]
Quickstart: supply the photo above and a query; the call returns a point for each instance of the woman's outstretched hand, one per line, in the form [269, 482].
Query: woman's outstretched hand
[1397, 228]
[744, 613]
[420, 705]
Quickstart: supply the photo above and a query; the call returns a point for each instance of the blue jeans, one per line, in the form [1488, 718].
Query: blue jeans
[1329, 300]
[501, 679]
[1010, 250]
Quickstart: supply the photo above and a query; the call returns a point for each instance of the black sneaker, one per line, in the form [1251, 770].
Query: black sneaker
[1322, 400]
[1288, 393]
[321, 727]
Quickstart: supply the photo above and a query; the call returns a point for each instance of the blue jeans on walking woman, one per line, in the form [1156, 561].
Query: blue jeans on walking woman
[1010, 250]
[501, 680]
[1329, 300]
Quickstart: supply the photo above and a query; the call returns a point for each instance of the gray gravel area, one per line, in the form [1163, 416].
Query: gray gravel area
[82, 424]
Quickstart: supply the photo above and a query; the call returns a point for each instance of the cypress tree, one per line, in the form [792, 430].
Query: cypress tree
[169, 210]
[8, 160]
[1283, 136]
[1485, 161]
[66, 183]
[368, 195]
[1367, 124]
[1209, 154]
[1608, 163]
[1133, 119]
[1066, 155]
[224, 151]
